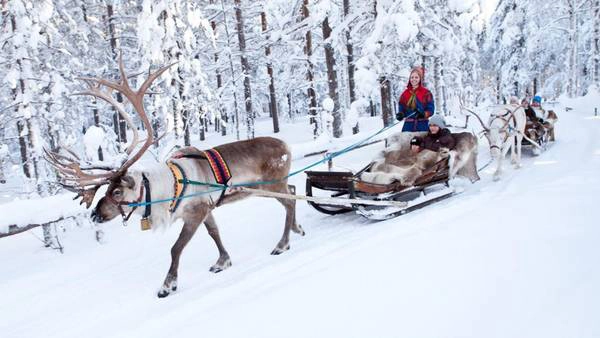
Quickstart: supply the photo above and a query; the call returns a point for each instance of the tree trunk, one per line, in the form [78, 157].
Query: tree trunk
[573, 37]
[386, 99]
[21, 123]
[372, 108]
[332, 80]
[97, 124]
[218, 123]
[273, 99]
[350, 61]
[597, 43]
[23, 148]
[312, 103]
[289, 99]
[245, 69]
[202, 130]
[437, 82]
[498, 88]
[233, 82]
[444, 103]
[120, 126]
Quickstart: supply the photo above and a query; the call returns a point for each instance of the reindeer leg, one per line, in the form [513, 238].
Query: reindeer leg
[519, 146]
[513, 151]
[187, 232]
[224, 261]
[295, 226]
[290, 222]
[501, 154]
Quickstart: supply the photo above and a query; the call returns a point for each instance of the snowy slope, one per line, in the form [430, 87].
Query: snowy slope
[515, 258]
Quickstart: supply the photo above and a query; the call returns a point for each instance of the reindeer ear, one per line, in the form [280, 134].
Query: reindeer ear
[128, 181]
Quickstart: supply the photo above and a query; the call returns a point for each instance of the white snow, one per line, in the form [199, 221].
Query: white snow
[514, 258]
[94, 138]
[38, 211]
[328, 104]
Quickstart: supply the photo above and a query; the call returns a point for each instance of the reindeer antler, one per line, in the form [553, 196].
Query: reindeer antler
[485, 128]
[86, 181]
[135, 98]
[462, 106]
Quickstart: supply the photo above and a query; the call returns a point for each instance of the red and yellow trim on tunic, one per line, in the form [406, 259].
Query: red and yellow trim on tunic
[218, 165]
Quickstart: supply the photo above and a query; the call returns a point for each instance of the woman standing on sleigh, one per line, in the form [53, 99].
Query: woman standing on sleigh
[416, 104]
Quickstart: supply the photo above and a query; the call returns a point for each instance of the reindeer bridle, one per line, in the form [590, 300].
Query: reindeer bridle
[505, 129]
[86, 180]
[144, 186]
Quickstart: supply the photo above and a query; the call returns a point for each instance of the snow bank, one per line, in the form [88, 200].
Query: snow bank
[93, 139]
[37, 211]
[585, 103]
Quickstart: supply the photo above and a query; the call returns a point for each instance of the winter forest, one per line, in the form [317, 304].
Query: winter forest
[512, 253]
[239, 62]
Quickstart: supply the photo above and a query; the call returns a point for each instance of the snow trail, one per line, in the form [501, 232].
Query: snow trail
[514, 258]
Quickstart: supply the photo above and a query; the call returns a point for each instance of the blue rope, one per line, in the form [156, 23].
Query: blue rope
[220, 187]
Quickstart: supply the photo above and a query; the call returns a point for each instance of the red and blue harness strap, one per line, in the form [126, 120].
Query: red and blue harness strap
[218, 165]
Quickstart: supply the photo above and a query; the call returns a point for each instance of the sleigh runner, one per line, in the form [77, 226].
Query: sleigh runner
[430, 187]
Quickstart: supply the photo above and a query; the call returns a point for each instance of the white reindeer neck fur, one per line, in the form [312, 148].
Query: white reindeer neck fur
[162, 187]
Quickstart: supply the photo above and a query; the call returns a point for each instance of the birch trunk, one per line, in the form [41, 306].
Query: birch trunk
[572, 66]
[350, 61]
[233, 81]
[332, 80]
[119, 123]
[245, 69]
[218, 123]
[597, 43]
[22, 123]
[272, 97]
[386, 101]
[312, 103]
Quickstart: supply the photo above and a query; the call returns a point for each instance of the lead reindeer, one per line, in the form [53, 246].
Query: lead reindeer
[504, 131]
[262, 159]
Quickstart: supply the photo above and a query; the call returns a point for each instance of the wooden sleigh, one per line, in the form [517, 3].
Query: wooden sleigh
[430, 187]
[539, 135]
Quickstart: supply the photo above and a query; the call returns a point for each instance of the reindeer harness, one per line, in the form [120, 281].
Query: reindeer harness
[179, 185]
[506, 128]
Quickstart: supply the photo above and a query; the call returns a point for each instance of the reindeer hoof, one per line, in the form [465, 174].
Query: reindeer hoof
[298, 229]
[279, 251]
[166, 290]
[164, 293]
[220, 267]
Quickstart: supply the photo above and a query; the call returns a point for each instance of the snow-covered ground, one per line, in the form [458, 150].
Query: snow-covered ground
[514, 258]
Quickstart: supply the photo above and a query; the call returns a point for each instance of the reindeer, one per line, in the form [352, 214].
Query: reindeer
[505, 131]
[463, 158]
[550, 119]
[264, 161]
[400, 164]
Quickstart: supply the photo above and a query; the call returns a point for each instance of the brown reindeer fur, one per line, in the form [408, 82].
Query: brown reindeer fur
[263, 159]
[463, 158]
[402, 165]
[549, 121]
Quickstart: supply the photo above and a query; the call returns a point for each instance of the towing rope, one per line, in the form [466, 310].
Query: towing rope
[222, 187]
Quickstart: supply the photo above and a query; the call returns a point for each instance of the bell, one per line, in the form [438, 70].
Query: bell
[145, 224]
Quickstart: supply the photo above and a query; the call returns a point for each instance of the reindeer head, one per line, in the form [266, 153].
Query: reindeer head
[496, 131]
[85, 180]
[120, 193]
